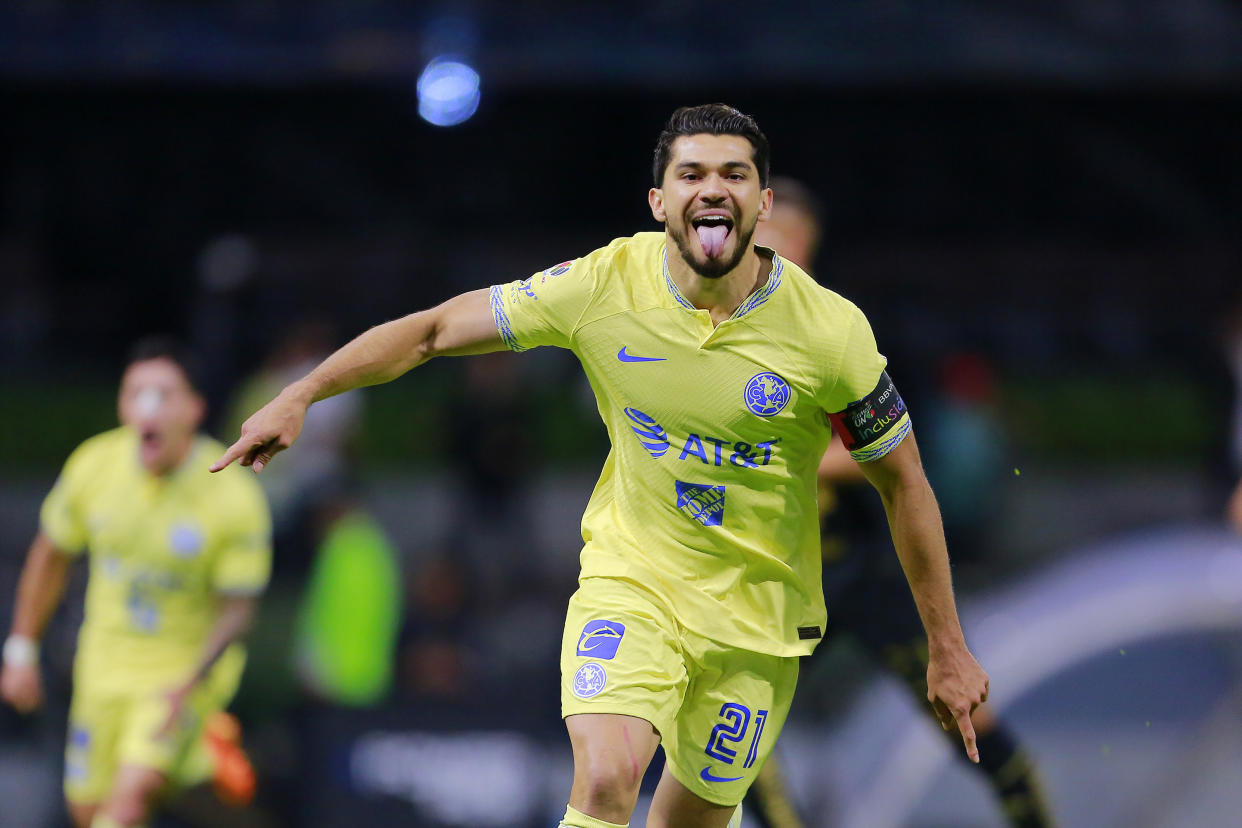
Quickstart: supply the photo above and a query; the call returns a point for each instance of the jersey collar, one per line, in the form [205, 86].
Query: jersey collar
[749, 304]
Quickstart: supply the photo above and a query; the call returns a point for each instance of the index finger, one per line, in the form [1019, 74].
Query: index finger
[234, 451]
[968, 735]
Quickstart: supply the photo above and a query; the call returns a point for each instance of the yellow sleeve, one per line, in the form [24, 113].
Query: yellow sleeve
[866, 411]
[61, 517]
[243, 560]
[544, 309]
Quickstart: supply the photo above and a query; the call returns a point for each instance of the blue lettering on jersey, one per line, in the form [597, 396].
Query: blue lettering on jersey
[742, 455]
[650, 433]
[600, 639]
[524, 286]
[766, 394]
[694, 445]
[702, 502]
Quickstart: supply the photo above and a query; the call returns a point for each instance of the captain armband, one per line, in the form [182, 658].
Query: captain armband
[873, 426]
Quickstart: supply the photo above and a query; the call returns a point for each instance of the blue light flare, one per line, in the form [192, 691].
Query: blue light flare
[448, 92]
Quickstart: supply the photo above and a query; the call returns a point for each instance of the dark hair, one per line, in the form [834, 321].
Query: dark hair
[710, 119]
[160, 346]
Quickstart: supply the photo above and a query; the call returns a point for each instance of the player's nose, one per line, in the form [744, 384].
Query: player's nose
[713, 189]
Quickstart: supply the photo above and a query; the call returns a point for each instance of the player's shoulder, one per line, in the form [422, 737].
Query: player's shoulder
[641, 250]
[101, 449]
[821, 301]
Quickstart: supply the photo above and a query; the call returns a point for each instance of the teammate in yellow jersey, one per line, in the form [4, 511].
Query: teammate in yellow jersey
[177, 562]
[717, 367]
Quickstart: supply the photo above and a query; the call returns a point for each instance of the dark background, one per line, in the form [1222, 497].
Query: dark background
[1055, 187]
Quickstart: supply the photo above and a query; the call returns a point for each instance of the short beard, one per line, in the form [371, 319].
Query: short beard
[714, 268]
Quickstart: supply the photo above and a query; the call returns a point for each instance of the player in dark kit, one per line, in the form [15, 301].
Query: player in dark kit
[866, 600]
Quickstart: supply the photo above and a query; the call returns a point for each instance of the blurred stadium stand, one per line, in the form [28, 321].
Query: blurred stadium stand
[1055, 185]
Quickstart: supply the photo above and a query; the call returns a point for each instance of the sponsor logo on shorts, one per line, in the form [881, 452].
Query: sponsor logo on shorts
[702, 502]
[707, 776]
[766, 394]
[589, 680]
[600, 639]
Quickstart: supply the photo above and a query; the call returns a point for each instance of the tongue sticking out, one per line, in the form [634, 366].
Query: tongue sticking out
[712, 238]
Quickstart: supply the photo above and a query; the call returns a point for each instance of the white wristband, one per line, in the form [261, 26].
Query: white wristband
[20, 651]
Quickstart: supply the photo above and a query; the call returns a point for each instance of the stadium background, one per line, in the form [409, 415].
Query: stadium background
[1047, 194]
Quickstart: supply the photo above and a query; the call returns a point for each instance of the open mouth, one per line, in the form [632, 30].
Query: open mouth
[150, 438]
[713, 231]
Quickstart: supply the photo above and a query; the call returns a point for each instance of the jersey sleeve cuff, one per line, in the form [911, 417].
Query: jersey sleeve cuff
[501, 317]
[874, 451]
[64, 544]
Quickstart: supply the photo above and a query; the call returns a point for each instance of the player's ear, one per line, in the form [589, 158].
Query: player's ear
[200, 409]
[765, 204]
[655, 199]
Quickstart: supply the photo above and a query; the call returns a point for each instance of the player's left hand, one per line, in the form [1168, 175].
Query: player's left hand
[956, 685]
[176, 699]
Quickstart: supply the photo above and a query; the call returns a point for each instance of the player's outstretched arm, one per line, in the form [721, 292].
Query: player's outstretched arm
[956, 684]
[39, 592]
[462, 325]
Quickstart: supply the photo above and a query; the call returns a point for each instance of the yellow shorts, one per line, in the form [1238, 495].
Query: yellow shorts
[108, 730]
[718, 709]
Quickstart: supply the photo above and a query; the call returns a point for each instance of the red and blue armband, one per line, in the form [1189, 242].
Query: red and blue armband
[873, 426]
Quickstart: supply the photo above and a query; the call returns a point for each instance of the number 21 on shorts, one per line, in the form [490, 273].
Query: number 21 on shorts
[732, 731]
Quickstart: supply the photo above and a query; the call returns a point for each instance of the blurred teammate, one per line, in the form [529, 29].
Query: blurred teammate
[717, 367]
[177, 561]
[866, 601]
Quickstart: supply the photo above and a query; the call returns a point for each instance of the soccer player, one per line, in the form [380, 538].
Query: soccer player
[867, 603]
[718, 368]
[177, 561]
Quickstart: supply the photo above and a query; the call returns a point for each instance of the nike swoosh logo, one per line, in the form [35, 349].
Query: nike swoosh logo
[624, 357]
[707, 776]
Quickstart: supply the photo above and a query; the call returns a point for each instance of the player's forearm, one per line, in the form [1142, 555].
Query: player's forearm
[40, 589]
[462, 325]
[918, 536]
[379, 355]
[234, 620]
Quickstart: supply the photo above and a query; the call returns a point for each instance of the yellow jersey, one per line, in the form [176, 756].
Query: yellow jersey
[163, 550]
[707, 496]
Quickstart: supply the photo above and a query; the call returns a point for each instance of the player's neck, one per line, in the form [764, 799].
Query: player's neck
[722, 296]
[165, 467]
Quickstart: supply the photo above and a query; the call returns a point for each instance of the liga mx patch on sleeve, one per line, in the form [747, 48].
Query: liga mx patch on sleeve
[873, 426]
[600, 639]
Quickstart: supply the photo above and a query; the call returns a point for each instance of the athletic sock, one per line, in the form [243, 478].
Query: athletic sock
[1012, 775]
[576, 819]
